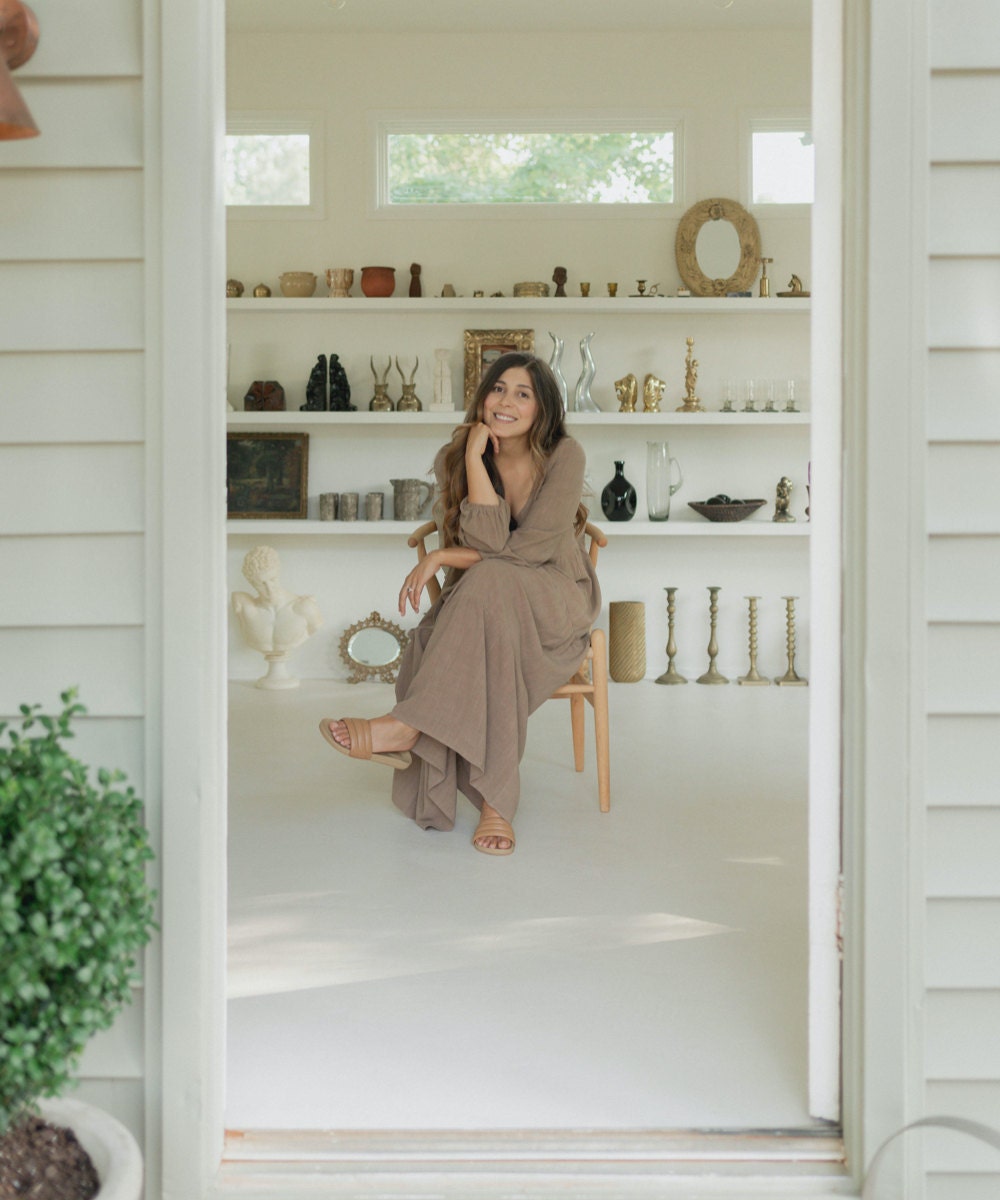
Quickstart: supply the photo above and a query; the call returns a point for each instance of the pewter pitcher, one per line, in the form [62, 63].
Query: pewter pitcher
[407, 501]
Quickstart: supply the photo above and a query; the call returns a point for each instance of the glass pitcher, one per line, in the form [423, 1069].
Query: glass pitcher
[659, 488]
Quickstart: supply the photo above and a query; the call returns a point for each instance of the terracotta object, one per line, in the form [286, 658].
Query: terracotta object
[378, 281]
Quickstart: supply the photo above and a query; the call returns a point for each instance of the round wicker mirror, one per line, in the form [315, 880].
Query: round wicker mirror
[744, 267]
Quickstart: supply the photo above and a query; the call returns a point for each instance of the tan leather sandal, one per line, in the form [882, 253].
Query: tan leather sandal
[359, 730]
[497, 827]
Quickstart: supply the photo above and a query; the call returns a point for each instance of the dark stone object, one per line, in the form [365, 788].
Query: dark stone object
[340, 389]
[265, 395]
[618, 498]
[316, 388]
[559, 279]
[415, 279]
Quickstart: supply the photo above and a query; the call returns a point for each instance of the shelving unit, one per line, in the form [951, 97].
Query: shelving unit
[465, 306]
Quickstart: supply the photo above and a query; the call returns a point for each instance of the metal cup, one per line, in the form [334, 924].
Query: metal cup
[328, 506]
[348, 506]
[374, 502]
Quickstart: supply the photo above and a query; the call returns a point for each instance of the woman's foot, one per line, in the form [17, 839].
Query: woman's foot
[493, 834]
[388, 735]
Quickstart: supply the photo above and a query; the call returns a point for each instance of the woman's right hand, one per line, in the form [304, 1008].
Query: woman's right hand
[416, 581]
[480, 436]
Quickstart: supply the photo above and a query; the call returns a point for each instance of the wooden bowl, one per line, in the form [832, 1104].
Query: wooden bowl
[739, 510]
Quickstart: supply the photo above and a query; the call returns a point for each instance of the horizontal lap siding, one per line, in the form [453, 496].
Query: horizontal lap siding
[962, 835]
[72, 403]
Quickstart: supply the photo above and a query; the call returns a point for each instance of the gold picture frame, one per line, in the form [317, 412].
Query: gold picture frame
[685, 247]
[484, 345]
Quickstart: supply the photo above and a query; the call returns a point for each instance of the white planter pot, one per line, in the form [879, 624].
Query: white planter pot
[111, 1147]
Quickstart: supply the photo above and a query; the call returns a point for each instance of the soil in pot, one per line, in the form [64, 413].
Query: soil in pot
[39, 1161]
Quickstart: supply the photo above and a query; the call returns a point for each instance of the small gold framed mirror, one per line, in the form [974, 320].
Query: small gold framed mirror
[717, 248]
[372, 649]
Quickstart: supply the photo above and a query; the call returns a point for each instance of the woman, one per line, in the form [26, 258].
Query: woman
[513, 618]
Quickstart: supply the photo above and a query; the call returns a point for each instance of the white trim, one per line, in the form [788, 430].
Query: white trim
[308, 121]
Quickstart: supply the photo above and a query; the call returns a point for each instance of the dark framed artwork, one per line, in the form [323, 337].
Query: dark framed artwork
[267, 475]
[483, 346]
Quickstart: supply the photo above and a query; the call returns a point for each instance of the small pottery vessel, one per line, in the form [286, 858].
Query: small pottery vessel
[339, 280]
[378, 281]
[409, 498]
[618, 499]
[297, 283]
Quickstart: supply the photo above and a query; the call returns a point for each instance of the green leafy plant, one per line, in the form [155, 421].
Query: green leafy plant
[75, 907]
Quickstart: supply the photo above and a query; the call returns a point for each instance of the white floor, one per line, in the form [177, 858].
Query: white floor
[640, 969]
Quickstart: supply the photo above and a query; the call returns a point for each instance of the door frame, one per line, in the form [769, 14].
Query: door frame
[881, 356]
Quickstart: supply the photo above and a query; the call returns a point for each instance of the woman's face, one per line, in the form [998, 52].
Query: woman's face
[511, 407]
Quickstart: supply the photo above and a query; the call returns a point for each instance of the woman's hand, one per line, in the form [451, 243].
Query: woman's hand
[416, 581]
[480, 436]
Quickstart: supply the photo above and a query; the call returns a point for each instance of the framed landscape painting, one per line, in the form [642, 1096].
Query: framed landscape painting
[267, 475]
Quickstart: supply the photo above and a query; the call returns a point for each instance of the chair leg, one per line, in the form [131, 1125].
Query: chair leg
[576, 716]
[602, 734]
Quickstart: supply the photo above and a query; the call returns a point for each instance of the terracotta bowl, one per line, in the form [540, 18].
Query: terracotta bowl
[737, 511]
[378, 281]
[297, 283]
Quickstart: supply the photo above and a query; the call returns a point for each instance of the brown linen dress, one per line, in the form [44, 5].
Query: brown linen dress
[504, 634]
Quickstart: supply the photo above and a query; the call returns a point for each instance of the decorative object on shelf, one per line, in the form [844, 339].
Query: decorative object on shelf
[627, 640]
[328, 506]
[782, 499]
[612, 290]
[584, 289]
[712, 675]
[265, 395]
[339, 281]
[274, 621]
[753, 677]
[340, 389]
[795, 291]
[559, 279]
[372, 649]
[415, 290]
[297, 283]
[535, 290]
[671, 675]
[409, 498]
[442, 401]
[234, 289]
[790, 397]
[618, 500]
[767, 390]
[374, 506]
[790, 678]
[555, 362]
[721, 509]
[659, 489]
[691, 402]
[652, 393]
[728, 396]
[765, 283]
[640, 292]
[380, 402]
[809, 479]
[261, 291]
[378, 281]
[347, 506]
[448, 291]
[409, 401]
[627, 392]
[483, 346]
[267, 475]
[583, 401]
[316, 387]
[710, 259]
[749, 395]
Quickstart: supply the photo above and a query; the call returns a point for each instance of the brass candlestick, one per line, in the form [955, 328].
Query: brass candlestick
[753, 678]
[790, 679]
[712, 675]
[765, 283]
[691, 401]
[671, 674]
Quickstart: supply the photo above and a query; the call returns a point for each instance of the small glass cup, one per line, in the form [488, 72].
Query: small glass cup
[749, 395]
[729, 391]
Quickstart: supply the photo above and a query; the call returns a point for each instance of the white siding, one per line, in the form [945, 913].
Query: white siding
[72, 461]
[962, 951]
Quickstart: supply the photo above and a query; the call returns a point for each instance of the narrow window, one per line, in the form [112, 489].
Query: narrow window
[273, 165]
[782, 164]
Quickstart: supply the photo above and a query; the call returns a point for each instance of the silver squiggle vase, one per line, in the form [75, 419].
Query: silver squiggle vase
[555, 361]
[584, 402]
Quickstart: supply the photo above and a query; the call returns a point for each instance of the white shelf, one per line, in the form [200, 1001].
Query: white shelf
[466, 305]
[296, 419]
[639, 527]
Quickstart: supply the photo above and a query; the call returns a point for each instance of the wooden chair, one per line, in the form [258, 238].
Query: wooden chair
[590, 682]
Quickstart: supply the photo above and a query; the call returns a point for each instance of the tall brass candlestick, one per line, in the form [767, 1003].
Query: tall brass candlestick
[790, 679]
[753, 678]
[712, 675]
[671, 674]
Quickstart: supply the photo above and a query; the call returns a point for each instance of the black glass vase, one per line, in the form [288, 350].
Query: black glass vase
[618, 498]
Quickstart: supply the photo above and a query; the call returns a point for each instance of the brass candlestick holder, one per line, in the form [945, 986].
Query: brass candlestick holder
[671, 674]
[765, 282]
[712, 675]
[790, 679]
[753, 677]
[691, 402]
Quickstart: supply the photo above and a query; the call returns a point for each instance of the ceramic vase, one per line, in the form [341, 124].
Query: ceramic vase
[555, 362]
[618, 499]
[583, 401]
[378, 281]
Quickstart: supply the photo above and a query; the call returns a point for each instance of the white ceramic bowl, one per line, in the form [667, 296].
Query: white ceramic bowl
[297, 283]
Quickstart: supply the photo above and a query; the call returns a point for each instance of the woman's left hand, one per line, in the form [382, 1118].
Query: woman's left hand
[415, 582]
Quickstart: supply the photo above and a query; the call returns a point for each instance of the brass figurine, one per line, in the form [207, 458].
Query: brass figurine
[765, 283]
[627, 391]
[234, 289]
[782, 499]
[790, 679]
[409, 401]
[652, 393]
[262, 291]
[713, 674]
[671, 674]
[380, 402]
[795, 290]
[753, 677]
[691, 402]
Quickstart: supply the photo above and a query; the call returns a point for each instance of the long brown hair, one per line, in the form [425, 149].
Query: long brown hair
[546, 432]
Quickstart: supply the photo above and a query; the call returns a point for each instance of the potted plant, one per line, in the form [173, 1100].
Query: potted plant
[75, 911]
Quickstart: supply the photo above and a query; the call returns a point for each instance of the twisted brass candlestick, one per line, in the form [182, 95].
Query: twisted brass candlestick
[753, 678]
[671, 675]
[790, 679]
[712, 675]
